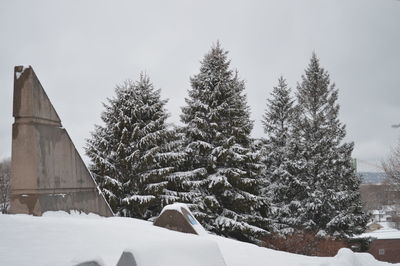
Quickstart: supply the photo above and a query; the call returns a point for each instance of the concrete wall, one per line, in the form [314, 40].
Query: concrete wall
[47, 172]
[174, 220]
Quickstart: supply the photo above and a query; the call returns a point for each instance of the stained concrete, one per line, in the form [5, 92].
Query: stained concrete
[47, 172]
[127, 259]
[177, 219]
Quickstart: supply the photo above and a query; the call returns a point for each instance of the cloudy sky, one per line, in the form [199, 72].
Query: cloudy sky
[81, 49]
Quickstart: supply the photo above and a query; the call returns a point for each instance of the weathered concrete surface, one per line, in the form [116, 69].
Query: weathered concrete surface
[47, 172]
[174, 220]
[127, 259]
[177, 217]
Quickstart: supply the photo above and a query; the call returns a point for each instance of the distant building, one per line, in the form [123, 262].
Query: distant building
[387, 213]
[385, 245]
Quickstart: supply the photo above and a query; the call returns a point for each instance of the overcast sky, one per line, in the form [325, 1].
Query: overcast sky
[81, 49]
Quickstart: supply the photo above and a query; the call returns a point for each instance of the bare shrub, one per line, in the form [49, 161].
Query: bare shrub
[5, 189]
[396, 217]
[391, 165]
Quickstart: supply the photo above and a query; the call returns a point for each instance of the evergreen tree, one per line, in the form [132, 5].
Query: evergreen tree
[280, 181]
[221, 173]
[134, 152]
[330, 202]
[277, 122]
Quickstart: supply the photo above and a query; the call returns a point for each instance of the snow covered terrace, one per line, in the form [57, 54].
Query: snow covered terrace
[58, 238]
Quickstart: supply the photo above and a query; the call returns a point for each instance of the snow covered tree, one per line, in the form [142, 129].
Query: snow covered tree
[221, 173]
[277, 122]
[277, 154]
[135, 151]
[330, 202]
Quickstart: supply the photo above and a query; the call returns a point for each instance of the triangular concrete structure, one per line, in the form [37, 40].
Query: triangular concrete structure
[47, 172]
[30, 99]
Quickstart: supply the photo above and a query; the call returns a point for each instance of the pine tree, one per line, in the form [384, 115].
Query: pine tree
[280, 181]
[221, 175]
[135, 151]
[277, 122]
[330, 202]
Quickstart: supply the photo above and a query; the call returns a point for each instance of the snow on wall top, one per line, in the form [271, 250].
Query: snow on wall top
[383, 233]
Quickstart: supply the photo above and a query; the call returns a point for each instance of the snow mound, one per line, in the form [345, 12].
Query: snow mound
[71, 214]
[346, 257]
[383, 233]
[185, 252]
[64, 239]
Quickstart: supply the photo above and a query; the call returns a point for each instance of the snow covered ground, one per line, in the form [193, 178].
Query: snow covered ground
[386, 232]
[59, 238]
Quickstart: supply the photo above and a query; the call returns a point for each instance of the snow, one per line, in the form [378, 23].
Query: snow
[139, 198]
[58, 238]
[383, 233]
[201, 252]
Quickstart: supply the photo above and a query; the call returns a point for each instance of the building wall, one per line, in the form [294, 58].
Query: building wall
[386, 250]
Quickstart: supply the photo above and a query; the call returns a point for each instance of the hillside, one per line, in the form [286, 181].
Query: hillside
[372, 177]
[58, 238]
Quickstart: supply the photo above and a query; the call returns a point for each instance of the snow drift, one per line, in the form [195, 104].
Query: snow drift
[58, 238]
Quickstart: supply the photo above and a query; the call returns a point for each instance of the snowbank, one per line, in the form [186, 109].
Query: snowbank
[383, 233]
[185, 252]
[61, 239]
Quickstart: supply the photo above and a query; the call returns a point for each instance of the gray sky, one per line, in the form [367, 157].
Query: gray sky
[81, 49]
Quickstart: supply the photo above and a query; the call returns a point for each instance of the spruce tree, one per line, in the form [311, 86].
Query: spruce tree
[221, 173]
[331, 201]
[277, 122]
[135, 151]
[280, 181]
